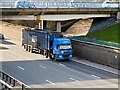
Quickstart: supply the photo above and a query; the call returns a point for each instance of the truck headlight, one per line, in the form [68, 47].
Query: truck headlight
[60, 56]
[62, 52]
[70, 55]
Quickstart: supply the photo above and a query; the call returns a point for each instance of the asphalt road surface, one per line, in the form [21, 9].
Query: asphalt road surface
[38, 72]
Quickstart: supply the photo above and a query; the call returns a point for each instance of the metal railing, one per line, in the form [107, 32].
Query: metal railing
[97, 42]
[9, 83]
[59, 5]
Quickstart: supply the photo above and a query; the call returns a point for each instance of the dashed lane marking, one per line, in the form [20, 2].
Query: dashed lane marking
[21, 68]
[50, 82]
[96, 76]
[74, 79]
[42, 66]
[62, 64]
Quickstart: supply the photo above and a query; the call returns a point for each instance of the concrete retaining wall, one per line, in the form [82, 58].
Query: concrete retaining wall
[118, 16]
[95, 53]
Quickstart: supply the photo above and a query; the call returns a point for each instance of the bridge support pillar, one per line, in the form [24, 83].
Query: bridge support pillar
[59, 26]
[118, 16]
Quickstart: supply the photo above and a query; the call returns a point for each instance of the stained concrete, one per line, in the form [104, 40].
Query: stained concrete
[95, 53]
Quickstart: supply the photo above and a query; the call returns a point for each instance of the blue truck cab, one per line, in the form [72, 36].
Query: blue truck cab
[62, 49]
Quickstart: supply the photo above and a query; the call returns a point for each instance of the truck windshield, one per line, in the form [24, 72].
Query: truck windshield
[64, 47]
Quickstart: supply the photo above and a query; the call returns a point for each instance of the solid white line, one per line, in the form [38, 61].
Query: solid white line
[50, 82]
[85, 63]
[104, 69]
[42, 66]
[62, 64]
[21, 68]
[97, 67]
[96, 76]
[74, 79]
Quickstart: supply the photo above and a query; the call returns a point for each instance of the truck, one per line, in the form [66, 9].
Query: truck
[24, 4]
[48, 43]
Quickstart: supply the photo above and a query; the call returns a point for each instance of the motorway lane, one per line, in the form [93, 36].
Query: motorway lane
[37, 71]
[33, 73]
[90, 70]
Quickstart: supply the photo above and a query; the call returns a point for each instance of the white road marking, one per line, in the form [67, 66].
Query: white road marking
[96, 76]
[85, 63]
[97, 67]
[105, 70]
[50, 82]
[62, 64]
[21, 68]
[42, 66]
[74, 79]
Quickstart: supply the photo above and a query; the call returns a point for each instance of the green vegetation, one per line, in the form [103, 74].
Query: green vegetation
[109, 34]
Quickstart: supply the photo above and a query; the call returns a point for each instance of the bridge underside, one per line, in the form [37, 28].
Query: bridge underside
[36, 11]
[62, 17]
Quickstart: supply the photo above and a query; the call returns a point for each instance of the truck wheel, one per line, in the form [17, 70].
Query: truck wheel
[55, 58]
[23, 46]
[50, 57]
[39, 51]
[26, 48]
[31, 49]
[46, 56]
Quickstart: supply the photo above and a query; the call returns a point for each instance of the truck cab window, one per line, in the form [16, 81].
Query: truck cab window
[64, 47]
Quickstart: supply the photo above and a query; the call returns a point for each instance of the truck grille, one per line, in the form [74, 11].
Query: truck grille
[66, 55]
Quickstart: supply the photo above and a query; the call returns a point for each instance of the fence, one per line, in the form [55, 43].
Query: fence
[99, 42]
[9, 82]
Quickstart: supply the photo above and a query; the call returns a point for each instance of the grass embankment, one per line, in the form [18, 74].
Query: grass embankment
[110, 34]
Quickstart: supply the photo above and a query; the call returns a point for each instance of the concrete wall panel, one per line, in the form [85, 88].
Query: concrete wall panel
[102, 55]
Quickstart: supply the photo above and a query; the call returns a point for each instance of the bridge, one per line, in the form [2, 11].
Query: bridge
[59, 7]
[57, 11]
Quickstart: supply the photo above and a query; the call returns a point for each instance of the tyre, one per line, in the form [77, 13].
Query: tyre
[55, 58]
[46, 56]
[23, 46]
[39, 51]
[31, 49]
[50, 56]
[26, 48]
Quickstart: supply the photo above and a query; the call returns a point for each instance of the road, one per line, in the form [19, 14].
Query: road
[38, 72]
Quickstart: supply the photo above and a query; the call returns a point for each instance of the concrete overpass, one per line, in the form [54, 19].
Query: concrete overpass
[59, 8]
[55, 17]
[58, 18]
[57, 11]
[36, 11]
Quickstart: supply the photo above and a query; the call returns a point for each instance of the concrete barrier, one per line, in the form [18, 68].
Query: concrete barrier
[118, 16]
[98, 54]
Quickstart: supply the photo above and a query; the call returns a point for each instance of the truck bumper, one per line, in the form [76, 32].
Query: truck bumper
[61, 57]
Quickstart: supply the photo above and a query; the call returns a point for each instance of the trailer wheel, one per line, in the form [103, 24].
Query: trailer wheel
[39, 51]
[46, 56]
[23, 46]
[50, 56]
[31, 49]
[26, 48]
